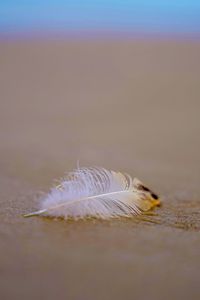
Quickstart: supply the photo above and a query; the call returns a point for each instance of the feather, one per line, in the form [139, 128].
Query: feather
[97, 192]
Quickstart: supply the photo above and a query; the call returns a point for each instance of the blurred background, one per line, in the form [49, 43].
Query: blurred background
[108, 83]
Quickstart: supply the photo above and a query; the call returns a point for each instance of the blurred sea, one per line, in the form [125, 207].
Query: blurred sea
[111, 16]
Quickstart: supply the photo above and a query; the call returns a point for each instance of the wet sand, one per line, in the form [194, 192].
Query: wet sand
[126, 105]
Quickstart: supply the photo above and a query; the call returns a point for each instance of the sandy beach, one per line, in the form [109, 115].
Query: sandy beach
[128, 105]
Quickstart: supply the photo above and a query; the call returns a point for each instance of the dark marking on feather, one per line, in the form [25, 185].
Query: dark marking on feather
[154, 196]
[143, 188]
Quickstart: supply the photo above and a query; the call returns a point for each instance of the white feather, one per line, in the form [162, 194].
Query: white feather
[93, 192]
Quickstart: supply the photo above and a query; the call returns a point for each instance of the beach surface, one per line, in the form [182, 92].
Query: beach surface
[128, 105]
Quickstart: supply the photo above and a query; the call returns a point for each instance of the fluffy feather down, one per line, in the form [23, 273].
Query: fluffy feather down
[94, 192]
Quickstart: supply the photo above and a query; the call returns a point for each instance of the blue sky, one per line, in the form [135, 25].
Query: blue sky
[172, 16]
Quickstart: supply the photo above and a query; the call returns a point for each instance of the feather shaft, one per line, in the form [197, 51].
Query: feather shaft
[35, 213]
[40, 212]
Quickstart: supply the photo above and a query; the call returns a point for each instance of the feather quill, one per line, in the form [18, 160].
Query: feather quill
[97, 192]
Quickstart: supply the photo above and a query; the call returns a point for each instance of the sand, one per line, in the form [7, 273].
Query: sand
[129, 105]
